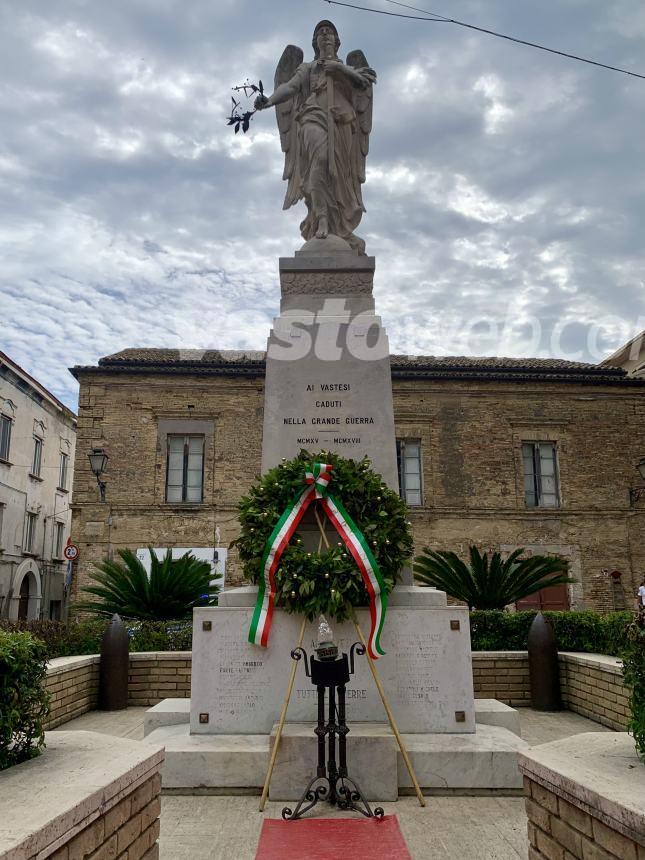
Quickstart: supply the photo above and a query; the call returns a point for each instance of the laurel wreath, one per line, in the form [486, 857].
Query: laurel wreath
[327, 581]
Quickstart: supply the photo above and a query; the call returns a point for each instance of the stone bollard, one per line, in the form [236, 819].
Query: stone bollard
[113, 669]
[543, 666]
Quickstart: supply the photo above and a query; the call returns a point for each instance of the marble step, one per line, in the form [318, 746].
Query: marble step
[483, 761]
[371, 760]
[171, 712]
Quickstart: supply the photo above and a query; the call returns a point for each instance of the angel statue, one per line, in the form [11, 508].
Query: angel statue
[324, 113]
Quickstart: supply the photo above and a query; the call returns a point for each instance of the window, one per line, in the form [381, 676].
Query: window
[30, 532]
[185, 468]
[59, 532]
[38, 457]
[62, 471]
[540, 475]
[5, 436]
[408, 456]
[55, 607]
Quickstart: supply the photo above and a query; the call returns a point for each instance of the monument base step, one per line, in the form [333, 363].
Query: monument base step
[171, 712]
[491, 712]
[371, 760]
[480, 762]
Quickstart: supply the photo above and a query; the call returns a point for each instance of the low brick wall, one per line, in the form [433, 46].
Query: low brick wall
[502, 675]
[73, 684]
[128, 831]
[87, 795]
[592, 685]
[158, 675]
[584, 798]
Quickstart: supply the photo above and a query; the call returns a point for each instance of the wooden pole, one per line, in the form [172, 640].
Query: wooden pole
[390, 716]
[283, 717]
[321, 526]
[323, 534]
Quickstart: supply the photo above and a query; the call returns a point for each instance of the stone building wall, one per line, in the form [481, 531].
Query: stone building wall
[471, 432]
[123, 415]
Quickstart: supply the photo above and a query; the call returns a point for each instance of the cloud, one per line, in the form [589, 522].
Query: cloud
[504, 193]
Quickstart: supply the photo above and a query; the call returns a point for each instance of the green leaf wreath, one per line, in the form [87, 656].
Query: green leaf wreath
[328, 581]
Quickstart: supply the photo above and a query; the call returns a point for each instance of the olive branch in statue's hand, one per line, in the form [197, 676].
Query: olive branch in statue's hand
[240, 118]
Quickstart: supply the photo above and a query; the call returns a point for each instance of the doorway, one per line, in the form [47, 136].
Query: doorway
[23, 600]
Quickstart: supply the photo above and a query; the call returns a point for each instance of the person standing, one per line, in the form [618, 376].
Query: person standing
[641, 594]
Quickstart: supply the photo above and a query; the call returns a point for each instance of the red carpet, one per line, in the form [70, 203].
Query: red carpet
[331, 839]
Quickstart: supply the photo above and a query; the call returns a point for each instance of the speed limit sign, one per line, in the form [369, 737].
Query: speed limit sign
[71, 551]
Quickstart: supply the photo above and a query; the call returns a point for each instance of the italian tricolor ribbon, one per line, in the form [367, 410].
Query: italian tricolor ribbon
[316, 489]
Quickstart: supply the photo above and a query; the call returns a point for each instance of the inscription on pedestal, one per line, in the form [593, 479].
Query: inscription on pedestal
[328, 382]
[350, 413]
[243, 681]
[323, 422]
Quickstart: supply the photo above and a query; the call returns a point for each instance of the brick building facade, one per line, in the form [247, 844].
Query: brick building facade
[537, 453]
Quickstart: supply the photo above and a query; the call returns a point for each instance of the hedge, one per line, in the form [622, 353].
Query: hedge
[590, 632]
[24, 704]
[84, 636]
[490, 630]
[634, 674]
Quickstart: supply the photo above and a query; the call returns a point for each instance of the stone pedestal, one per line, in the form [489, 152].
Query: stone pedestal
[238, 688]
[328, 383]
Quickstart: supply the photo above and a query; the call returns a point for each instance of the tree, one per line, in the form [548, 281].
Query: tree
[493, 584]
[171, 591]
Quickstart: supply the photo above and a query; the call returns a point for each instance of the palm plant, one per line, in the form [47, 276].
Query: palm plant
[489, 584]
[171, 590]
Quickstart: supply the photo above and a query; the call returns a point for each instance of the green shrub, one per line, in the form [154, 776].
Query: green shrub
[83, 636]
[63, 639]
[490, 630]
[489, 583]
[634, 674]
[24, 704]
[171, 589]
[160, 635]
[591, 632]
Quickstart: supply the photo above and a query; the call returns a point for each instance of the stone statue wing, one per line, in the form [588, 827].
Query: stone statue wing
[292, 57]
[362, 99]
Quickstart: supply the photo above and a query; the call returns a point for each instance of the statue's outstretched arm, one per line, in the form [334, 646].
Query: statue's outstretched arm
[281, 94]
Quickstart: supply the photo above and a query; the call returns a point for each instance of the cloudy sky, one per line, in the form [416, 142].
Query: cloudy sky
[505, 188]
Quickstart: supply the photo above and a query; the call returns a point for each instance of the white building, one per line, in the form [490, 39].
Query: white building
[37, 441]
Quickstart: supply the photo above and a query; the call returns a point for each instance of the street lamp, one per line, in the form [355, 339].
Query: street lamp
[635, 493]
[98, 464]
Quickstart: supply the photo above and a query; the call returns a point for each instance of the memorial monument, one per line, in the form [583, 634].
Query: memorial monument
[328, 389]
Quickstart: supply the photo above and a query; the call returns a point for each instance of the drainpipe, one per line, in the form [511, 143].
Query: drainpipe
[7, 603]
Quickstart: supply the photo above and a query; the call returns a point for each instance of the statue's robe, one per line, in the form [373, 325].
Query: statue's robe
[338, 187]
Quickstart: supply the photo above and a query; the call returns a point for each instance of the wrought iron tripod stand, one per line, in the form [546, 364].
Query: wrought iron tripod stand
[331, 672]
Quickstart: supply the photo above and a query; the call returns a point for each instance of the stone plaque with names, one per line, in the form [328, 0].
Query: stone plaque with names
[426, 672]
